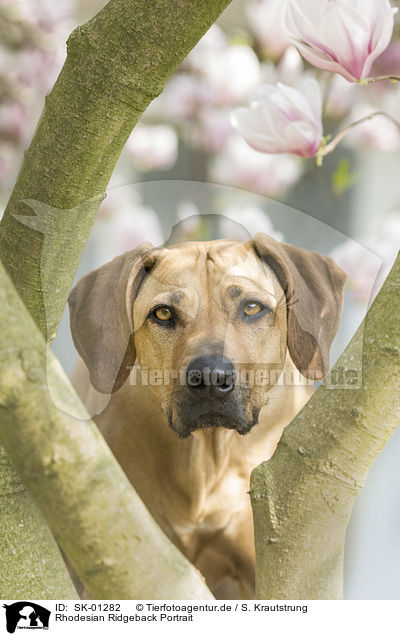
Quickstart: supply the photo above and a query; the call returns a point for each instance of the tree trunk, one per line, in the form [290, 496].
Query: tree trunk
[31, 564]
[303, 496]
[116, 64]
[114, 545]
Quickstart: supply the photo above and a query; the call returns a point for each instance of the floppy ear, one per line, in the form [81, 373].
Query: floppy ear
[100, 307]
[313, 286]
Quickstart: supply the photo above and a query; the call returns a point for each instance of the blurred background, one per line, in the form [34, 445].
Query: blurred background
[184, 160]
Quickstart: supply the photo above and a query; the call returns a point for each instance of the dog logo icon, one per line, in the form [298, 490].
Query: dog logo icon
[26, 615]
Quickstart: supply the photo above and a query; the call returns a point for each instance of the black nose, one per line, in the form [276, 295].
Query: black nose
[208, 375]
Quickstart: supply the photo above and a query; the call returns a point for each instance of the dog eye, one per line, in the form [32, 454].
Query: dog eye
[252, 308]
[163, 313]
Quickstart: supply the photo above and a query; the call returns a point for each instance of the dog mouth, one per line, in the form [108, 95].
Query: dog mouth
[183, 424]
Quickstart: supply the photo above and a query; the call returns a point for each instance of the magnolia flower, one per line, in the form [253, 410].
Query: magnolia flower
[380, 132]
[248, 219]
[361, 266]
[288, 70]
[242, 167]
[14, 121]
[153, 147]
[232, 73]
[341, 95]
[390, 104]
[368, 263]
[46, 13]
[282, 119]
[252, 218]
[214, 129]
[183, 96]
[30, 60]
[341, 36]
[123, 223]
[389, 62]
[207, 50]
[229, 71]
[266, 18]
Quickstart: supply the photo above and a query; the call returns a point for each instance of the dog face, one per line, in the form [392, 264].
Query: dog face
[207, 314]
[200, 316]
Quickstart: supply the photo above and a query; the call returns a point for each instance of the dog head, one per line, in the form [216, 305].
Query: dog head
[203, 318]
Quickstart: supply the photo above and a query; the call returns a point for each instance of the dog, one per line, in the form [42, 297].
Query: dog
[192, 342]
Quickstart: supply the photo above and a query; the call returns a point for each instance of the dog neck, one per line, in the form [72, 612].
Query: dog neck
[208, 456]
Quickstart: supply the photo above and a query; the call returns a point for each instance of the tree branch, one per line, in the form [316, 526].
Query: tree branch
[303, 496]
[117, 63]
[114, 545]
[31, 563]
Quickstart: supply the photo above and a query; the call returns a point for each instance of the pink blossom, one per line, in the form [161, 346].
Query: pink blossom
[266, 19]
[361, 267]
[122, 224]
[368, 263]
[211, 45]
[341, 95]
[341, 36]
[13, 121]
[389, 62]
[182, 97]
[47, 14]
[251, 217]
[378, 133]
[153, 147]
[282, 119]
[288, 70]
[241, 166]
[390, 103]
[228, 71]
[214, 129]
[231, 74]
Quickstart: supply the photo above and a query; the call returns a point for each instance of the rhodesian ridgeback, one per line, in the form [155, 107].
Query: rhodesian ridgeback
[209, 350]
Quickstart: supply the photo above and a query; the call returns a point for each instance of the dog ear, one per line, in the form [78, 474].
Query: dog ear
[313, 285]
[100, 307]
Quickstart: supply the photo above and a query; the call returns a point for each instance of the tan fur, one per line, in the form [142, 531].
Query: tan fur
[197, 488]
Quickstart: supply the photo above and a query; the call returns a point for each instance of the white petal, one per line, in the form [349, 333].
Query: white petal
[307, 102]
[302, 20]
[348, 35]
[250, 124]
[382, 37]
[343, 36]
[302, 139]
[262, 93]
[320, 60]
[312, 90]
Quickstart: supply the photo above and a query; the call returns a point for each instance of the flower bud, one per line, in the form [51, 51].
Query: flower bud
[341, 36]
[282, 119]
